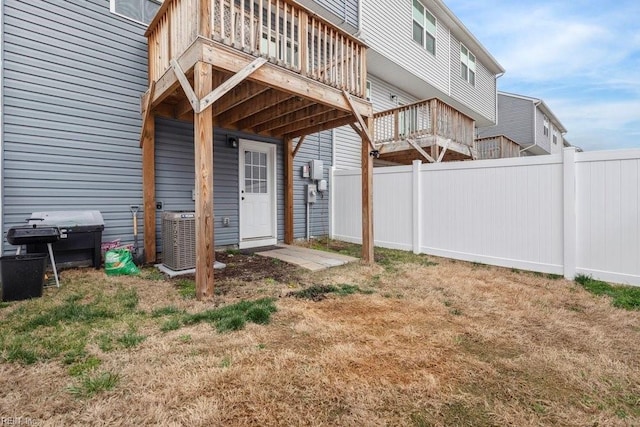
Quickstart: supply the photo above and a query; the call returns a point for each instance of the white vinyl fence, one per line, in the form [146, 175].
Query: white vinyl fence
[570, 213]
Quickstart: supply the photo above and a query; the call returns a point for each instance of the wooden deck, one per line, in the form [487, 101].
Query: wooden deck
[496, 147]
[267, 67]
[428, 130]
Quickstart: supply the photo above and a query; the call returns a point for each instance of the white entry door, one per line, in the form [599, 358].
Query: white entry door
[257, 194]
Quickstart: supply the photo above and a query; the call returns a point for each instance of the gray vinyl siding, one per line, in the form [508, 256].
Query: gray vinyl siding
[73, 73]
[347, 10]
[387, 29]
[480, 97]
[175, 178]
[316, 146]
[348, 143]
[515, 120]
[542, 140]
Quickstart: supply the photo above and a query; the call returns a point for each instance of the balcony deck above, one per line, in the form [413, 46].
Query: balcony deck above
[313, 78]
[428, 130]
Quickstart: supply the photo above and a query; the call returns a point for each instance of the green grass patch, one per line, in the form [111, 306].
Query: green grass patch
[234, 317]
[130, 339]
[84, 366]
[90, 386]
[186, 288]
[166, 311]
[390, 259]
[170, 325]
[626, 297]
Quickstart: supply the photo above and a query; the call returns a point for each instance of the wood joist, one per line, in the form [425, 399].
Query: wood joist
[428, 149]
[264, 99]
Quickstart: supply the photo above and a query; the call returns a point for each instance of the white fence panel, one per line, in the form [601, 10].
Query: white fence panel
[392, 224]
[506, 212]
[570, 213]
[608, 220]
[347, 206]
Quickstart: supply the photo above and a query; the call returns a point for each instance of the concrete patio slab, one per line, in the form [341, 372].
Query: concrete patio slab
[311, 259]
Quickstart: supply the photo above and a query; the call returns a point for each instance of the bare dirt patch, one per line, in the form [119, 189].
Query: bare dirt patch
[451, 344]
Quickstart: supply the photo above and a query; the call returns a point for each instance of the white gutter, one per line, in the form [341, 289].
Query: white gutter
[496, 107]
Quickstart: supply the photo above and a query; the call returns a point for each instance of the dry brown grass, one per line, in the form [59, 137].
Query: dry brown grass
[454, 344]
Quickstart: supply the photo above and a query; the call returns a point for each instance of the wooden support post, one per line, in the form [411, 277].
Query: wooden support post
[203, 132]
[288, 191]
[149, 188]
[367, 197]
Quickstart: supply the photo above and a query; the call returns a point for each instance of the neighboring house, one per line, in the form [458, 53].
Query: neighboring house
[421, 56]
[529, 122]
[73, 74]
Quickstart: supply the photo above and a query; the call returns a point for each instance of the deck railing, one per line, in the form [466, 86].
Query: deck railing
[423, 118]
[496, 147]
[282, 31]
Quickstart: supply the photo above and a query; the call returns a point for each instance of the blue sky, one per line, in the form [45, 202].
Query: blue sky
[582, 57]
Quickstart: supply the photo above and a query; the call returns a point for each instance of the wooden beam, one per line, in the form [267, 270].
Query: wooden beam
[444, 150]
[240, 94]
[288, 190]
[186, 86]
[230, 83]
[203, 132]
[290, 120]
[264, 101]
[184, 108]
[365, 130]
[146, 112]
[149, 188]
[275, 112]
[420, 150]
[367, 197]
[306, 123]
[320, 127]
[298, 145]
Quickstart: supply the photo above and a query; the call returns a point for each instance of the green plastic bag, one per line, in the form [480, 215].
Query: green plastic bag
[119, 262]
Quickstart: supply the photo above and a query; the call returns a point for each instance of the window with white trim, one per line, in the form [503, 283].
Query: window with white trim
[545, 124]
[555, 136]
[141, 11]
[424, 27]
[368, 93]
[467, 65]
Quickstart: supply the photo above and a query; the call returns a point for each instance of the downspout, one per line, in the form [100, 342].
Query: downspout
[495, 113]
[358, 33]
[535, 122]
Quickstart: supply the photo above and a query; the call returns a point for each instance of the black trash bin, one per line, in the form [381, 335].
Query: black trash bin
[22, 276]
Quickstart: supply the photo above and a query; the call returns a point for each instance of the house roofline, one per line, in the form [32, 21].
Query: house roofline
[463, 34]
[543, 107]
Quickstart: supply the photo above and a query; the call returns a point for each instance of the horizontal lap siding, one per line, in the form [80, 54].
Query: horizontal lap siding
[482, 96]
[345, 9]
[387, 29]
[73, 74]
[175, 177]
[316, 146]
[515, 120]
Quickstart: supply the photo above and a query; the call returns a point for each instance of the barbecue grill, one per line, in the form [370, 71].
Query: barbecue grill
[35, 234]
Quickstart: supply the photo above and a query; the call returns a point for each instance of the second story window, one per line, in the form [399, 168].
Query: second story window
[555, 136]
[545, 123]
[424, 27]
[467, 65]
[141, 11]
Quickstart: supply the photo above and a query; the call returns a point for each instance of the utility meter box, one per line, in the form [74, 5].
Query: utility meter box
[316, 169]
[312, 193]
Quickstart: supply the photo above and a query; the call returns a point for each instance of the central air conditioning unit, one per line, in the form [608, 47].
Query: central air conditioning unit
[179, 240]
